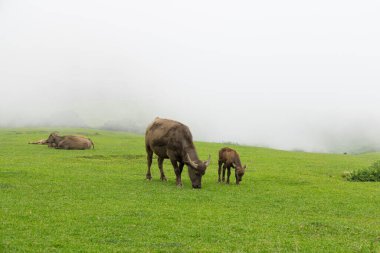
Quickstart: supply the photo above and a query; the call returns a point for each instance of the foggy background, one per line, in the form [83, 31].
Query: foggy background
[293, 75]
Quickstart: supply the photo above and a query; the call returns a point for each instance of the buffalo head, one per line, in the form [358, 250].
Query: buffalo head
[51, 141]
[196, 170]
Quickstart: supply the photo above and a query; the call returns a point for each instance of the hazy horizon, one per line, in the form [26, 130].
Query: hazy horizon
[288, 75]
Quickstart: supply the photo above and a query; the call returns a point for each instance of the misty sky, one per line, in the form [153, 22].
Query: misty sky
[283, 74]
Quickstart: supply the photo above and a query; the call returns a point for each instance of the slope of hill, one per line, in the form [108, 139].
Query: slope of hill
[99, 201]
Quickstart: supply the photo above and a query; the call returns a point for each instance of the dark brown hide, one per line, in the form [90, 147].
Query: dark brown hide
[230, 158]
[169, 139]
[69, 142]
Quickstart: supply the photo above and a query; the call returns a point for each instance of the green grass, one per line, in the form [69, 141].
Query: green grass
[99, 201]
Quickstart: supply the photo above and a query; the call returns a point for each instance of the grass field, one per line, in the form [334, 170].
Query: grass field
[99, 201]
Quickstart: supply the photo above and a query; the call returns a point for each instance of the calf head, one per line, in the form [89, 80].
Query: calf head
[196, 171]
[239, 173]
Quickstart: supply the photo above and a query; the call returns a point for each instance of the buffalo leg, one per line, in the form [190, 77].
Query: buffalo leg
[181, 167]
[177, 171]
[149, 158]
[219, 169]
[62, 145]
[160, 165]
[228, 174]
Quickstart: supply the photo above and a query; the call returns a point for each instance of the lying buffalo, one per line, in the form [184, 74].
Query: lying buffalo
[172, 140]
[230, 158]
[69, 142]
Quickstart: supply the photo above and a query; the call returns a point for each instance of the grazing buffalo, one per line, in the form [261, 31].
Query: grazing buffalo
[170, 139]
[230, 158]
[69, 142]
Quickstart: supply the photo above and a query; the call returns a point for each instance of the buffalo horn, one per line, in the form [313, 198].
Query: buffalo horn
[193, 164]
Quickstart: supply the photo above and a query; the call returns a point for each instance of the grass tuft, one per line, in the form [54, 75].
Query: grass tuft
[370, 174]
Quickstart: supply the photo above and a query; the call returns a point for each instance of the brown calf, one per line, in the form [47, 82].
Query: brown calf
[230, 158]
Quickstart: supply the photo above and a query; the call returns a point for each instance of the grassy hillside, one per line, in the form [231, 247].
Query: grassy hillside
[99, 201]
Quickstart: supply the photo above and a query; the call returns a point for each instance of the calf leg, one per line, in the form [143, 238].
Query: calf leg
[160, 165]
[228, 174]
[219, 169]
[224, 172]
[149, 158]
